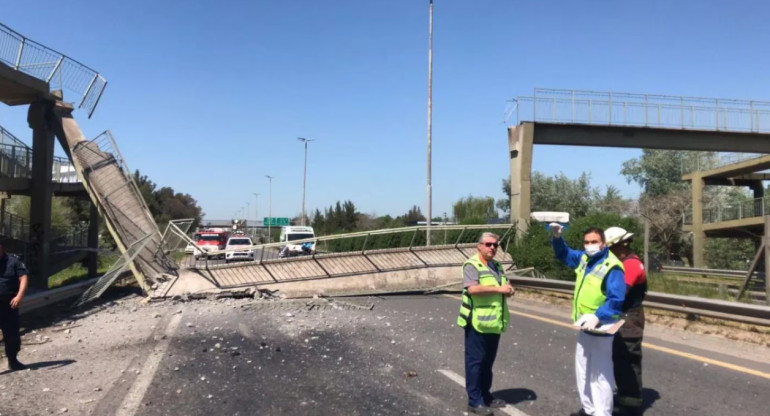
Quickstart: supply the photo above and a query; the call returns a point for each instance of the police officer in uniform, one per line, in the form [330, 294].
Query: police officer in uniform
[627, 345]
[484, 316]
[13, 284]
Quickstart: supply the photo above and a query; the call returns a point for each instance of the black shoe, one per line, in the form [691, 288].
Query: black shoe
[480, 410]
[15, 365]
[496, 403]
[580, 412]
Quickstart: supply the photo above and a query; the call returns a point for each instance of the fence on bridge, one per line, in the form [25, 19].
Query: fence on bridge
[55, 68]
[640, 110]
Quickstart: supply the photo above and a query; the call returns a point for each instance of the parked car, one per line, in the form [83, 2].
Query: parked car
[236, 242]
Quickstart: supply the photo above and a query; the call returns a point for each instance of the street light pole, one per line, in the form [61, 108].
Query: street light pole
[304, 177]
[430, 119]
[256, 215]
[269, 207]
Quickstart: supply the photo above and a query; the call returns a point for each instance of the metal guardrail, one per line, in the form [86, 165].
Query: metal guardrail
[707, 272]
[641, 110]
[55, 68]
[732, 311]
[48, 297]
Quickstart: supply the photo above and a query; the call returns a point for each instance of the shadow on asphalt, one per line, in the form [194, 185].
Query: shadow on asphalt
[649, 396]
[44, 364]
[515, 396]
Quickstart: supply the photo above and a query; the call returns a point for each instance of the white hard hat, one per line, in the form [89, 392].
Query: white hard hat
[614, 235]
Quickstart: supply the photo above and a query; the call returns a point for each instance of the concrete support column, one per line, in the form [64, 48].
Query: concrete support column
[520, 144]
[698, 236]
[40, 193]
[93, 241]
[759, 193]
[767, 259]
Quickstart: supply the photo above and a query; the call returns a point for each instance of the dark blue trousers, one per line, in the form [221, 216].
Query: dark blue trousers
[9, 324]
[480, 353]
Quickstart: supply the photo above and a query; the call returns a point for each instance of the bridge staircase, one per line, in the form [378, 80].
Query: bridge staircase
[110, 184]
[33, 74]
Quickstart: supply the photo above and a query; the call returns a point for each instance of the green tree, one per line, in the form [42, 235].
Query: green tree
[660, 171]
[560, 193]
[474, 210]
[411, 217]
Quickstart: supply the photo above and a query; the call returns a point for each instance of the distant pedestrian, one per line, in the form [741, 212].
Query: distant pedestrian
[599, 293]
[13, 284]
[484, 315]
[627, 345]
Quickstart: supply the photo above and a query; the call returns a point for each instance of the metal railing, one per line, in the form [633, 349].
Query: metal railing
[751, 208]
[713, 161]
[641, 110]
[55, 68]
[732, 311]
[14, 226]
[358, 242]
[116, 270]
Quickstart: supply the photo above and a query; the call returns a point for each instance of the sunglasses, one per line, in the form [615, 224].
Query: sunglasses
[495, 245]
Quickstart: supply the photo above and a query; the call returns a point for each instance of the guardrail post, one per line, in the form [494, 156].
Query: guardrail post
[751, 115]
[610, 108]
[716, 113]
[681, 109]
[658, 114]
[590, 116]
[457, 243]
[646, 112]
[573, 106]
[766, 238]
[18, 55]
[363, 247]
[553, 109]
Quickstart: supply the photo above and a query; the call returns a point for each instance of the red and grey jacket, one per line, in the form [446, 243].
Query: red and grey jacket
[636, 281]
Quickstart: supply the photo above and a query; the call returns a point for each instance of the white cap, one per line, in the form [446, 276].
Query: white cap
[614, 235]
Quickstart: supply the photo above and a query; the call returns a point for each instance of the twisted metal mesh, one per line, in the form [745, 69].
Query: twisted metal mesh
[116, 270]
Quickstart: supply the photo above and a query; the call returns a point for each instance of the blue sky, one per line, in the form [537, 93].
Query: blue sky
[209, 96]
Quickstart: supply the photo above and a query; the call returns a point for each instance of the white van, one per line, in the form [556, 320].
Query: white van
[294, 233]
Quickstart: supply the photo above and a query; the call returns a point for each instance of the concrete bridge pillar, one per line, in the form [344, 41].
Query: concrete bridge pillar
[39, 250]
[520, 144]
[698, 235]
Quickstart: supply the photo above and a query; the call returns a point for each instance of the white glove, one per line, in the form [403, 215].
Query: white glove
[587, 321]
[555, 229]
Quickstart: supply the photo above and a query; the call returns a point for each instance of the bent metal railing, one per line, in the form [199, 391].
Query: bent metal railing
[410, 238]
[55, 68]
[640, 110]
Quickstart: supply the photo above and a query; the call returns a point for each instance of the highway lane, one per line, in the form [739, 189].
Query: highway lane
[403, 357]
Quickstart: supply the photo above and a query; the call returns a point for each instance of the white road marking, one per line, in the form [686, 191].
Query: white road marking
[508, 409]
[135, 395]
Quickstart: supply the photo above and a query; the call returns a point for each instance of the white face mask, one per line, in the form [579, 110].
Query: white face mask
[592, 249]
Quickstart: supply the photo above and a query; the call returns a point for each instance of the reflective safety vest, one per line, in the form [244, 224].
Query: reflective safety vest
[588, 287]
[488, 313]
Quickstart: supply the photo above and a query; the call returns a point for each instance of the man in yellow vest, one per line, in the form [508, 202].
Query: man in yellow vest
[484, 315]
[600, 289]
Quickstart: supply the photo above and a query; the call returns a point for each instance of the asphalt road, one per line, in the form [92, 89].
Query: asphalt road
[399, 358]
